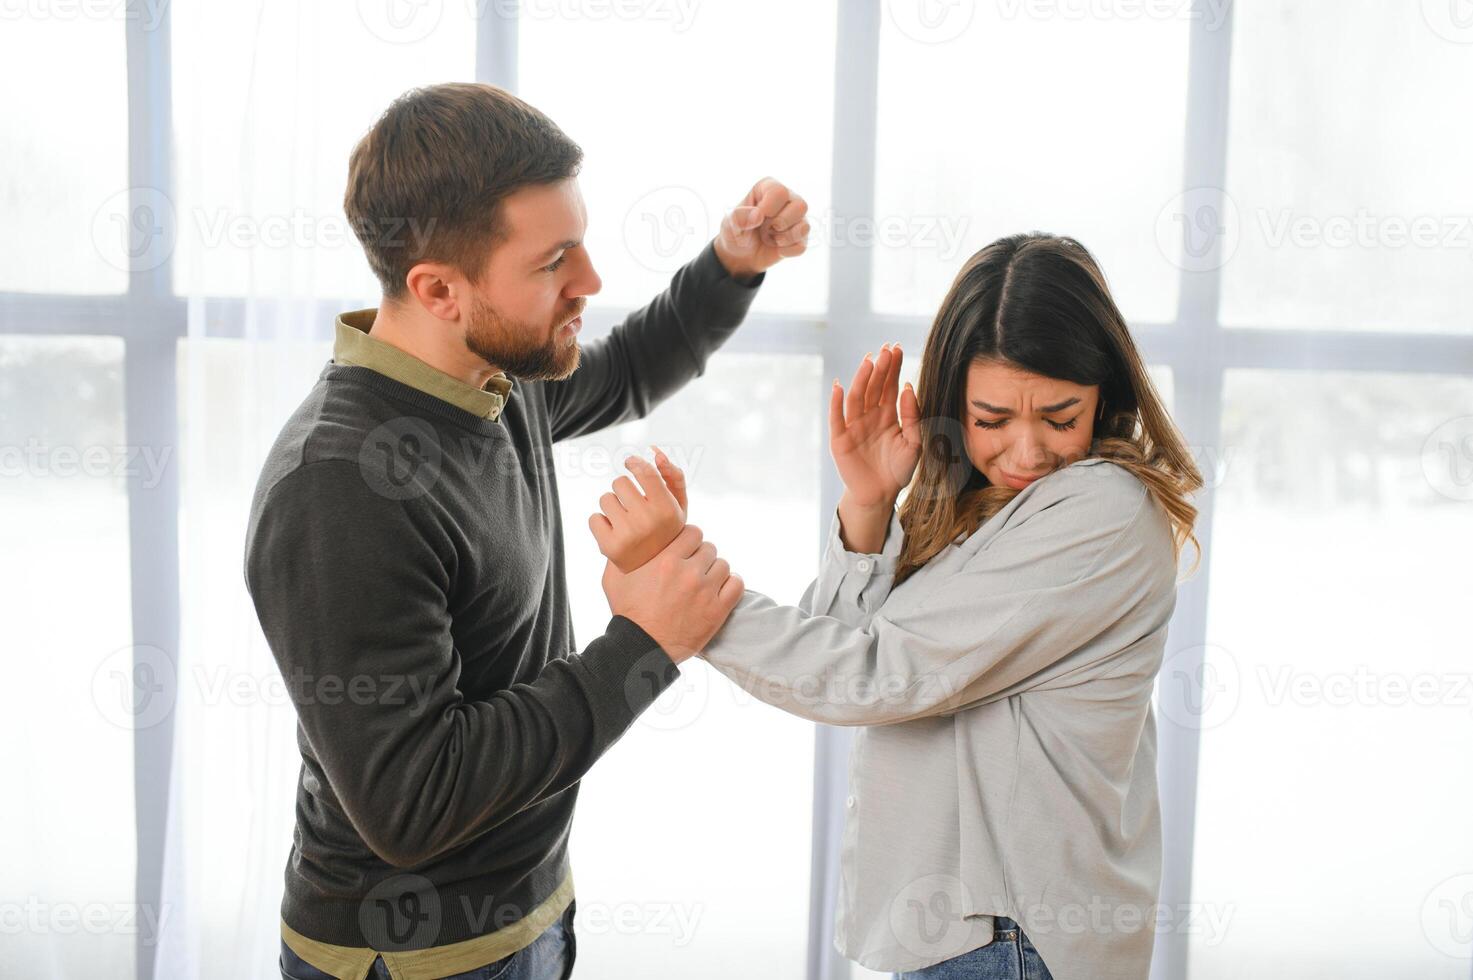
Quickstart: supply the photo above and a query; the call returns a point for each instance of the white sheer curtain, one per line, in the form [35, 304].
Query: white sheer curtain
[268, 101]
[67, 905]
[1313, 707]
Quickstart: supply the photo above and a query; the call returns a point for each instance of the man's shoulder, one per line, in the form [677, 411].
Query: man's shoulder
[337, 422]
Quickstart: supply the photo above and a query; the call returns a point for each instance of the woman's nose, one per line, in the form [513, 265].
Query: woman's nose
[1027, 455]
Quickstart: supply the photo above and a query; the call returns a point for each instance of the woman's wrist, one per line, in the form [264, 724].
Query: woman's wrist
[862, 527]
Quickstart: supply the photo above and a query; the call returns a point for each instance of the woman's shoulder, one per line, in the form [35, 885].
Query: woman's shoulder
[1100, 485]
[1097, 499]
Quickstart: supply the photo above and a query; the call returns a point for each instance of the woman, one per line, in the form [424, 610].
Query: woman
[997, 638]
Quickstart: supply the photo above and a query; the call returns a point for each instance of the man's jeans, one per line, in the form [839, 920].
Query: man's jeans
[1010, 956]
[550, 957]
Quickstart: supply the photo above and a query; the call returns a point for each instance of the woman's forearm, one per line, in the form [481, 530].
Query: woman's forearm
[862, 528]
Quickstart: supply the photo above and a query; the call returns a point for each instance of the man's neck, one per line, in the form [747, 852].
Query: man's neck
[432, 342]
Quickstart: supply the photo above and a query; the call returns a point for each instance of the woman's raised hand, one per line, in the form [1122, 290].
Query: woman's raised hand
[633, 526]
[874, 431]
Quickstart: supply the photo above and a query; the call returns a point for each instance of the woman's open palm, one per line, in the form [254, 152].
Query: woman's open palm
[874, 431]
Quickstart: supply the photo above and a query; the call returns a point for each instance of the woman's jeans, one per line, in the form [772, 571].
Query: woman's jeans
[550, 957]
[1010, 956]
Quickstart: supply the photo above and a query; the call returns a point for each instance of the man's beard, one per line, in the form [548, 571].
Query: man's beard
[524, 351]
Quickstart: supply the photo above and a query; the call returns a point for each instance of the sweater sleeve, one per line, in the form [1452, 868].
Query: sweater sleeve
[1044, 602]
[655, 351]
[352, 596]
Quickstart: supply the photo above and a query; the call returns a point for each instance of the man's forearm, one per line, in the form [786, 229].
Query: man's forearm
[655, 351]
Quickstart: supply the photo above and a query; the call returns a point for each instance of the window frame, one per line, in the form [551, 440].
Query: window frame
[151, 320]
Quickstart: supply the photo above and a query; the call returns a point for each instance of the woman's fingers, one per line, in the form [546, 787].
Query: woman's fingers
[879, 380]
[836, 411]
[602, 531]
[674, 478]
[892, 376]
[910, 416]
[858, 389]
[876, 384]
[627, 493]
[611, 506]
[649, 480]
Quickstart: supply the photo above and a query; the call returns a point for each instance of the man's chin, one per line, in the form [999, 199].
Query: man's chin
[567, 361]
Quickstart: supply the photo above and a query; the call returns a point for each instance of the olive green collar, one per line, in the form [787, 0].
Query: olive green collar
[354, 346]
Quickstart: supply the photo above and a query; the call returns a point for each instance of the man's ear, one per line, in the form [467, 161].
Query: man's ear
[438, 288]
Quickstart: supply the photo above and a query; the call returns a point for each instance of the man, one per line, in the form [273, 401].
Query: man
[405, 553]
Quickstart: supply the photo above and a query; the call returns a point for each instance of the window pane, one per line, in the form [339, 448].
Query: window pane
[65, 145]
[265, 128]
[701, 101]
[236, 758]
[692, 841]
[1348, 176]
[1333, 792]
[70, 702]
[1003, 118]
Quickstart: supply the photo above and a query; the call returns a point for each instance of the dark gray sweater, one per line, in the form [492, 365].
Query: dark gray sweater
[405, 558]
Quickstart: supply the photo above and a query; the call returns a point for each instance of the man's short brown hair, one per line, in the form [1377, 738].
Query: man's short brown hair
[427, 181]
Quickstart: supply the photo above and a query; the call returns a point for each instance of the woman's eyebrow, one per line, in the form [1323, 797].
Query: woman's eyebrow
[1008, 411]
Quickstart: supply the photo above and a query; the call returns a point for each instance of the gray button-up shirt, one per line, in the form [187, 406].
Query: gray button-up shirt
[1008, 761]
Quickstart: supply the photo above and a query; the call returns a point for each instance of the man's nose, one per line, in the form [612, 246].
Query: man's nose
[587, 282]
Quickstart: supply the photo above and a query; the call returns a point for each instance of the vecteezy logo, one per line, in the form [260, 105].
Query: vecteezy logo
[1447, 916]
[401, 912]
[134, 687]
[400, 459]
[401, 21]
[932, 21]
[1199, 687]
[662, 226]
[1451, 20]
[135, 230]
[1198, 230]
[682, 703]
[679, 697]
[1447, 458]
[928, 918]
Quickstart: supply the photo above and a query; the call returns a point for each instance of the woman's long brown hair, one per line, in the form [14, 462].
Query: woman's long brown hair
[1037, 302]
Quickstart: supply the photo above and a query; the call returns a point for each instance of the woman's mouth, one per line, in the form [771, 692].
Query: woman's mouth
[1016, 482]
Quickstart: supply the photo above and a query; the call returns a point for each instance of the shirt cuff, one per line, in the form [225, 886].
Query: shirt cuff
[851, 586]
[866, 566]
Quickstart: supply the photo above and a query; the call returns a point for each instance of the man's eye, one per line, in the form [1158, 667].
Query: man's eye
[556, 263]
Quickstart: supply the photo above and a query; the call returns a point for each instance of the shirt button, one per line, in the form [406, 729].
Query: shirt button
[863, 565]
[849, 802]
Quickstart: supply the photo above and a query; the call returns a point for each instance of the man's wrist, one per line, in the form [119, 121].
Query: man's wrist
[742, 272]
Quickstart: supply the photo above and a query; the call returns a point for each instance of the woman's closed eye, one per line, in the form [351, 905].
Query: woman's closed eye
[1058, 426]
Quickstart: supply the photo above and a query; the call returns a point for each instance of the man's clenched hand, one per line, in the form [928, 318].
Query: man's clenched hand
[769, 225]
